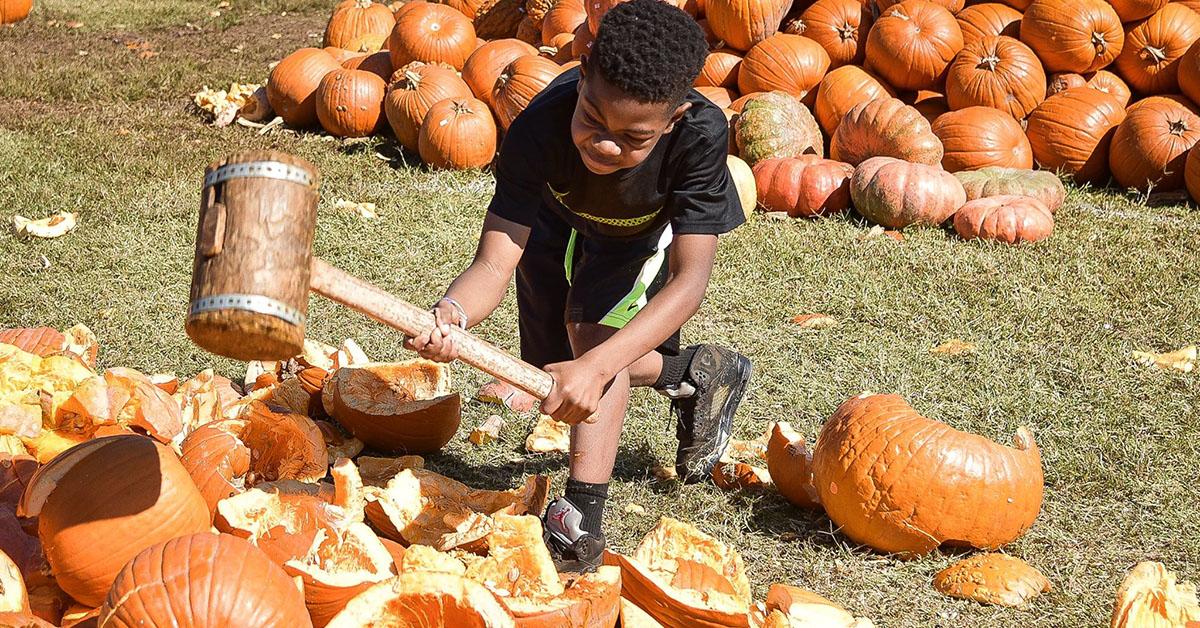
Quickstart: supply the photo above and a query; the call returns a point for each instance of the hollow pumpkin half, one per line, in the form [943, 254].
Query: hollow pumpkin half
[683, 578]
[789, 460]
[341, 563]
[1150, 596]
[420, 507]
[402, 406]
[424, 600]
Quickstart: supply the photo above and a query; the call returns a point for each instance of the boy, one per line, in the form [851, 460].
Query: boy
[611, 189]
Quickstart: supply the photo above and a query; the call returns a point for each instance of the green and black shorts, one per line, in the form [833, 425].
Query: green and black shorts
[565, 277]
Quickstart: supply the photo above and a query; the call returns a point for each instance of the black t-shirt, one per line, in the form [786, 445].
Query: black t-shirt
[684, 181]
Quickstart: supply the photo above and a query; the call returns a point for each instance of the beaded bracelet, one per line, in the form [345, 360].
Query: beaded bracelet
[462, 313]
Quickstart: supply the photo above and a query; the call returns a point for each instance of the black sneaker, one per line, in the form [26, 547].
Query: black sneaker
[704, 418]
[573, 550]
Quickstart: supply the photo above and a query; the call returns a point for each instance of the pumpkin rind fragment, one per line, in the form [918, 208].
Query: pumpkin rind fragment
[992, 579]
[424, 600]
[405, 406]
[1150, 597]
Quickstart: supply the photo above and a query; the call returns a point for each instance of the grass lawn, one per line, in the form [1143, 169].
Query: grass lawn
[88, 126]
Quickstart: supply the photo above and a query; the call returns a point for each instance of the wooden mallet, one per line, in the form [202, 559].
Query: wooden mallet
[254, 267]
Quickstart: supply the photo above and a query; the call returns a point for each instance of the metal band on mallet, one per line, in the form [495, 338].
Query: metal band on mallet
[258, 170]
[250, 303]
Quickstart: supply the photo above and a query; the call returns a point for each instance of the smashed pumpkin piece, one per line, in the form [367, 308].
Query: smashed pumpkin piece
[739, 476]
[683, 577]
[378, 471]
[789, 460]
[420, 507]
[54, 226]
[518, 563]
[1183, 360]
[337, 444]
[225, 105]
[78, 342]
[801, 608]
[404, 406]
[13, 597]
[122, 397]
[424, 600]
[992, 579]
[203, 399]
[632, 616]
[548, 436]
[425, 558]
[32, 389]
[1150, 597]
[954, 347]
[488, 431]
[814, 321]
[341, 563]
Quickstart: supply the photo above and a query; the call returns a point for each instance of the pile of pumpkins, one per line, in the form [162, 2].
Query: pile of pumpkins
[912, 112]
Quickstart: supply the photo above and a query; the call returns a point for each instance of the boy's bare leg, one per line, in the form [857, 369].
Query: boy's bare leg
[594, 445]
[646, 370]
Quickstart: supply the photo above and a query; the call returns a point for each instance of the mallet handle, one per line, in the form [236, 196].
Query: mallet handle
[356, 294]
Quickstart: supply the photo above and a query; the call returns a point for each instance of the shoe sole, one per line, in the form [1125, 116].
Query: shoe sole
[737, 391]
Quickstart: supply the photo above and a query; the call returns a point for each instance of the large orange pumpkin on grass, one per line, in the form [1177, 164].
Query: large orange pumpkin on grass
[488, 61]
[885, 127]
[518, 84]
[787, 63]
[101, 502]
[912, 44]
[840, 27]
[350, 102]
[996, 181]
[1073, 35]
[998, 72]
[990, 19]
[1150, 59]
[743, 23]
[415, 89]
[1007, 219]
[776, 124]
[292, 86]
[1072, 131]
[353, 19]
[457, 133]
[720, 69]
[431, 33]
[13, 11]
[842, 89]
[977, 137]
[1150, 146]
[405, 406]
[899, 482]
[896, 193]
[804, 186]
[206, 579]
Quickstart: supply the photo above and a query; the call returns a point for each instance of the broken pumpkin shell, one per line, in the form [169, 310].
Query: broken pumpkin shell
[683, 577]
[283, 445]
[801, 607]
[405, 406]
[632, 616]
[740, 476]
[340, 564]
[77, 342]
[378, 471]
[337, 444]
[789, 461]
[176, 579]
[13, 597]
[1150, 597]
[992, 579]
[902, 483]
[24, 620]
[425, 600]
[548, 436]
[217, 460]
[50, 227]
[100, 503]
[120, 397]
[425, 558]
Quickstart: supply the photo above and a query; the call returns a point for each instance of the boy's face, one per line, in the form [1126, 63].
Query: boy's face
[614, 131]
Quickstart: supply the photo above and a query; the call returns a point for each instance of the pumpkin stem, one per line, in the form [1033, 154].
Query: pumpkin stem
[1099, 43]
[989, 62]
[364, 4]
[1177, 127]
[1023, 439]
[462, 107]
[412, 78]
[847, 32]
[1158, 55]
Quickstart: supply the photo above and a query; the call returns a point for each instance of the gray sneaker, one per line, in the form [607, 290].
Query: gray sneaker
[704, 419]
[572, 549]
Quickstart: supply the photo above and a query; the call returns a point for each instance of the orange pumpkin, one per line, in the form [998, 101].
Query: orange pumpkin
[718, 96]
[1131, 10]
[432, 33]
[929, 104]
[899, 482]
[840, 27]
[521, 80]
[789, 462]
[415, 89]
[996, 181]
[804, 186]
[1072, 131]
[350, 102]
[720, 69]
[1110, 84]
[582, 43]
[842, 89]
[912, 44]
[469, 8]
[1150, 146]
[354, 19]
[1007, 219]
[486, 64]
[1062, 81]
[77, 342]
[292, 86]
[896, 193]
[103, 501]
[210, 579]
[1073, 35]
[743, 23]
[1188, 73]
[1150, 59]
[977, 137]
[782, 62]
[377, 63]
[457, 133]
[884, 127]
[992, 579]
[406, 406]
[564, 17]
[990, 19]
[13, 11]
[998, 72]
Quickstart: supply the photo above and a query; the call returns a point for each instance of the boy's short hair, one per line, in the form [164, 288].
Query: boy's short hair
[650, 50]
